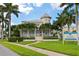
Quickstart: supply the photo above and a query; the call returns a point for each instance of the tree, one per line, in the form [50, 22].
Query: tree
[61, 22]
[76, 13]
[15, 31]
[28, 26]
[69, 17]
[69, 6]
[2, 19]
[10, 9]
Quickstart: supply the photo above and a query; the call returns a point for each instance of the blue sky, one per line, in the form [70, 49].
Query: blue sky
[33, 11]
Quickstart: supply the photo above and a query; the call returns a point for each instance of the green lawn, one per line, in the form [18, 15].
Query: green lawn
[21, 50]
[69, 48]
[26, 42]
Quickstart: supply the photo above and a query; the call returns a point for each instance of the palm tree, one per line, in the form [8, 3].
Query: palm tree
[10, 9]
[2, 10]
[69, 6]
[69, 18]
[15, 30]
[21, 27]
[76, 13]
[61, 22]
[75, 10]
[66, 17]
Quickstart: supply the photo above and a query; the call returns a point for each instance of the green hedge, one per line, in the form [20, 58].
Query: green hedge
[15, 39]
[29, 37]
[20, 39]
[50, 37]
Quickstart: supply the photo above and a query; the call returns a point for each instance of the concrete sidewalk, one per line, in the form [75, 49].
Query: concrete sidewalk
[6, 52]
[43, 51]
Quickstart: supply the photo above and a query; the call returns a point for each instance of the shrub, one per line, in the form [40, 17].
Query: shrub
[12, 39]
[50, 37]
[20, 39]
[31, 37]
[15, 39]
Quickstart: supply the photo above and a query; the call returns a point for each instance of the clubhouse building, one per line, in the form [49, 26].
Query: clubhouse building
[37, 32]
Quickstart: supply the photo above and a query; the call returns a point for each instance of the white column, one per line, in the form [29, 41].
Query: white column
[42, 33]
[28, 33]
[49, 32]
[20, 33]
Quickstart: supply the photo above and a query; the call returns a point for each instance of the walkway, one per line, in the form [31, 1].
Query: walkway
[43, 51]
[6, 52]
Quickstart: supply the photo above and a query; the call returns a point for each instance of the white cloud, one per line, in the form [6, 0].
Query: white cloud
[38, 4]
[24, 9]
[57, 6]
[12, 23]
[16, 3]
[29, 8]
[35, 4]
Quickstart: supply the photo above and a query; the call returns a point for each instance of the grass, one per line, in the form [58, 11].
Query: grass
[69, 48]
[26, 42]
[21, 50]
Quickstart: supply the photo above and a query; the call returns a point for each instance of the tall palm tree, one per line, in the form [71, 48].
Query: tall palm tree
[76, 13]
[70, 6]
[61, 22]
[66, 17]
[2, 10]
[69, 18]
[11, 9]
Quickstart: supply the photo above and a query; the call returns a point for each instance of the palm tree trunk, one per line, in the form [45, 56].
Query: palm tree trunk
[62, 38]
[2, 31]
[2, 24]
[9, 26]
[62, 35]
[76, 20]
[77, 30]
[35, 33]
[68, 28]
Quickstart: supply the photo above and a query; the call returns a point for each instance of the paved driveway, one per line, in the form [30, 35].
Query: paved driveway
[6, 52]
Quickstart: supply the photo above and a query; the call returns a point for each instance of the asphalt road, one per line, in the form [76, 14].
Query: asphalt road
[6, 52]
